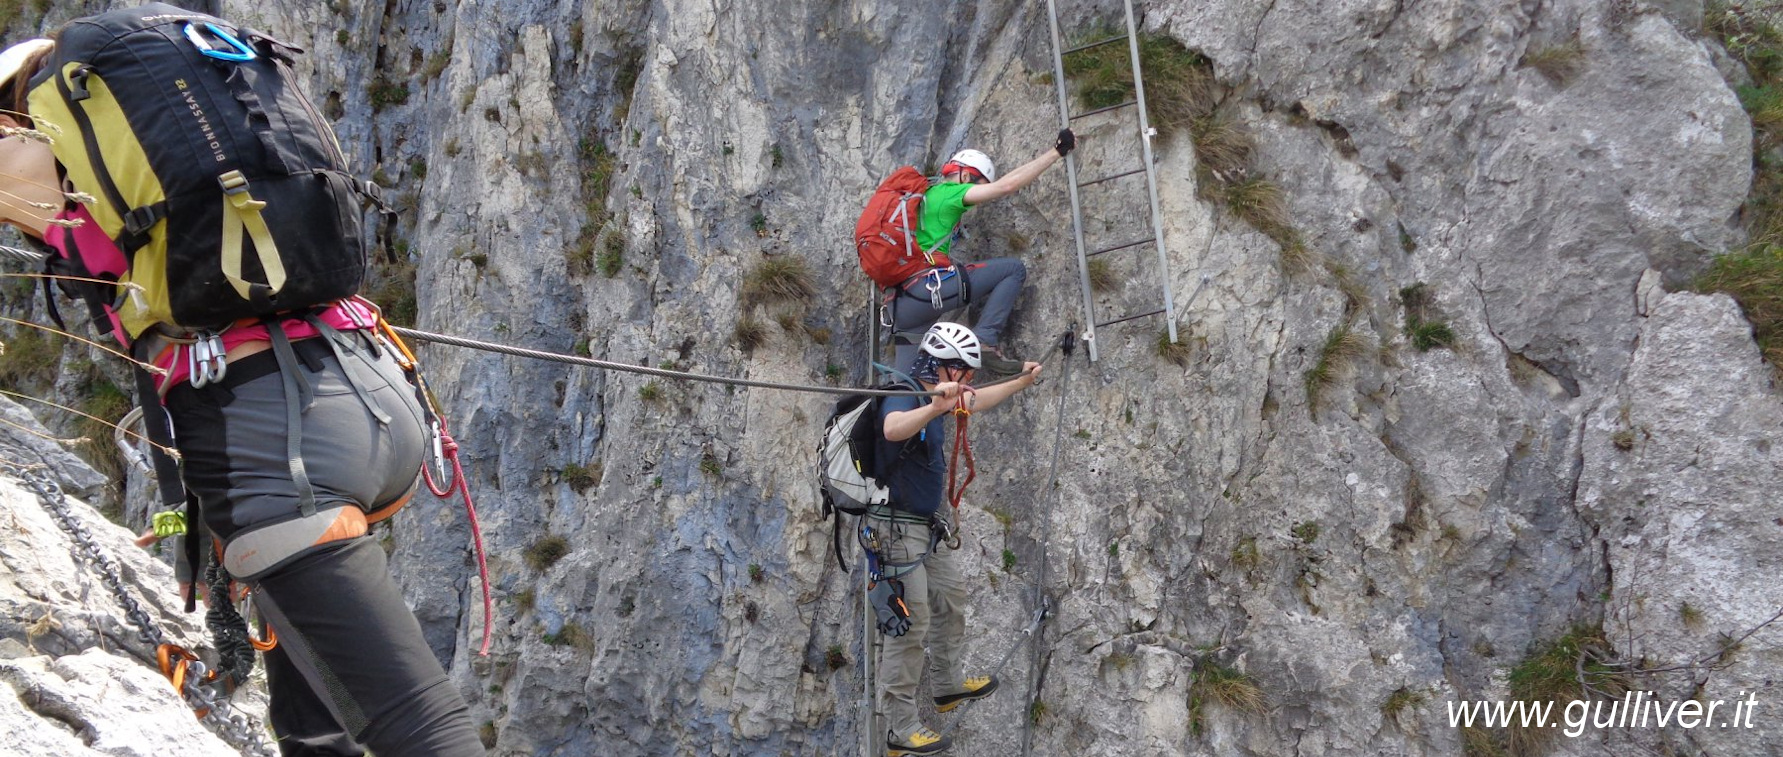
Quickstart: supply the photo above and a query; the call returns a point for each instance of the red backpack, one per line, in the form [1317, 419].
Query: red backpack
[885, 236]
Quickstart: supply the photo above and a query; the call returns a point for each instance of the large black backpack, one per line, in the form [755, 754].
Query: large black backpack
[221, 185]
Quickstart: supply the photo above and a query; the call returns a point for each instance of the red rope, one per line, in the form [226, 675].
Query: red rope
[960, 417]
[449, 449]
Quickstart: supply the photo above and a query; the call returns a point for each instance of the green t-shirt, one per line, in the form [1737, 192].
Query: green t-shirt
[942, 207]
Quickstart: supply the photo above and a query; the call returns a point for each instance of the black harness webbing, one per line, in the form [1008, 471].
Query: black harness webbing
[298, 396]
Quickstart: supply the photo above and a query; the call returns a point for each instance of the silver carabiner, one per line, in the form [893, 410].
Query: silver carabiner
[439, 451]
[219, 366]
[206, 360]
[934, 287]
[195, 366]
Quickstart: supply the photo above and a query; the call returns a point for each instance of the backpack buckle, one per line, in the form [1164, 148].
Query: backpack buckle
[138, 220]
[233, 183]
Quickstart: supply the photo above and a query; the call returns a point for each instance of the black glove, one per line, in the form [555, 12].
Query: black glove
[887, 596]
[1067, 142]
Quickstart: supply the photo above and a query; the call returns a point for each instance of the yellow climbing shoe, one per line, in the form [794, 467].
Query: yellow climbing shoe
[976, 688]
[924, 741]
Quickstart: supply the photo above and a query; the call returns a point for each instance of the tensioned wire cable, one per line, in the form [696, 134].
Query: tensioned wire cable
[458, 341]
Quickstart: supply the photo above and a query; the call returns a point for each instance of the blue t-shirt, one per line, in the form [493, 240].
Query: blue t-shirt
[918, 474]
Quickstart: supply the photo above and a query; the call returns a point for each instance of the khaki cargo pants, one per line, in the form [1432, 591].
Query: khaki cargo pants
[935, 592]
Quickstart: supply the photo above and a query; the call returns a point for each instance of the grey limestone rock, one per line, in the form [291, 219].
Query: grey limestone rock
[77, 679]
[1591, 451]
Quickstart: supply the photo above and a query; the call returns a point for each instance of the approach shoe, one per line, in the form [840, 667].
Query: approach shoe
[976, 688]
[996, 364]
[924, 741]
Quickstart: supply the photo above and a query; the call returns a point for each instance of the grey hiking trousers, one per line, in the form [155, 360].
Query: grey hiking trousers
[993, 285]
[935, 592]
[351, 667]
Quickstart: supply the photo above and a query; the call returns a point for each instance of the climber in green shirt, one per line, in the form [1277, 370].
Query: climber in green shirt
[968, 179]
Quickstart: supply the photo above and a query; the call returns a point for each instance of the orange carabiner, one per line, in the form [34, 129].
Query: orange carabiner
[174, 660]
[271, 641]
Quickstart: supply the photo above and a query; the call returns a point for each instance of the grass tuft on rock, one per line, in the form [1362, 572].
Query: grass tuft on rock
[1399, 702]
[572, 634]
[1690, 617]
[1421, 325]
[1754, 278]
[1263, 205]
[1337, 358]
[392, 287]
[1176, 353]
[1244, 554]
[1226, 687]
[1559, 63]
[750, 334]
[1179, 83]
[103, 400]
[1102, 278]
[545, 552]
[581, 477]
[1577, 666]
[612, 255]
[1221, 145]
[782, 279]
[28, 359]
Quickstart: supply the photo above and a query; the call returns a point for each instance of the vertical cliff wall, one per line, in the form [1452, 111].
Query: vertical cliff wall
[1590, 460]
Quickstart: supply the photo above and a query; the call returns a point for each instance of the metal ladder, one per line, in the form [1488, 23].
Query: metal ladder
[1146, 133]
[872, 738]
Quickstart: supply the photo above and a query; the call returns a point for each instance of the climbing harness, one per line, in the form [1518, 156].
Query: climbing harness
[188, 674]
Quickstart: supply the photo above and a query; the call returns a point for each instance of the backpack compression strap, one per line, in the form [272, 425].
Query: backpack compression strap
[241, 210]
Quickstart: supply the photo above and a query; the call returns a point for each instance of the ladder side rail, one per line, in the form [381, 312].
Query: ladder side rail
[869, 704]
[1083, 262]
[1151, 180]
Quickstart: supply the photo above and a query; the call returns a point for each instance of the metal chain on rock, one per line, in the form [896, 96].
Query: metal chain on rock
[230, 725]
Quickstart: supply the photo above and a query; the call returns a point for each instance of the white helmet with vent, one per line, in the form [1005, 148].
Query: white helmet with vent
[951, 341]
[976, 160]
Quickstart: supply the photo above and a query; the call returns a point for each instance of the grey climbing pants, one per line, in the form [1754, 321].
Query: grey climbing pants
[351, 670]
[935, 592]
[992, 285]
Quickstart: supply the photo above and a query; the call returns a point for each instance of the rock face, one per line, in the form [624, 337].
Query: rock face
[1592, 453]
[75, 679]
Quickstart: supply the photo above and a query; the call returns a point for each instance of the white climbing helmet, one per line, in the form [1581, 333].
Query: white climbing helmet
[14, 57]
[977, 161]
[951, 341]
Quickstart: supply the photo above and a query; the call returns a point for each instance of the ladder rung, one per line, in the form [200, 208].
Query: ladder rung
[1134, 317]
[1147, 240]
[1112, 178]
[1099, 43]
[1089, 113]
